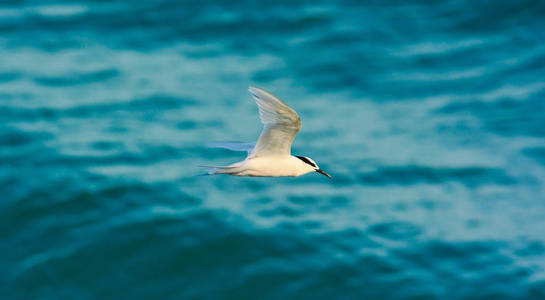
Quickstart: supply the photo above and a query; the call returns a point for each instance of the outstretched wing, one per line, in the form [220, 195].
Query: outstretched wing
[281, 124]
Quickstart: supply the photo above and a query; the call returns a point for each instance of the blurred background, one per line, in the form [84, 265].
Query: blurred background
[429, 115]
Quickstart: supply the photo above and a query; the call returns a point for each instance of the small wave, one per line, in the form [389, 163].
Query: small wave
[505, 116]
[149, 103]
[8, 77]
[13, 137]
[78, 78]
[56, 11]
[471, 176]
[537, 153]
[395, 230]
[438, 47]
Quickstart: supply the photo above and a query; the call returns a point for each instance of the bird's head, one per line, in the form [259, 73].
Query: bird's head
[310, 166]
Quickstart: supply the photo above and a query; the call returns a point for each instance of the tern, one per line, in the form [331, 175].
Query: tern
[271, 155]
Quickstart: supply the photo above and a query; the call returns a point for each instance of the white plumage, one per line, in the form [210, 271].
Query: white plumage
[271, 155]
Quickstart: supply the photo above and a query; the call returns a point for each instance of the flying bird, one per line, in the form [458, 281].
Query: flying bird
[271, 155]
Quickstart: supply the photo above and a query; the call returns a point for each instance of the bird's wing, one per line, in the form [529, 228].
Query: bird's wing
[281, 124]
[233, 146]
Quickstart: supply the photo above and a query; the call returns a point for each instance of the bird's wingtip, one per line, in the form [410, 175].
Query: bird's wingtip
[254, 89]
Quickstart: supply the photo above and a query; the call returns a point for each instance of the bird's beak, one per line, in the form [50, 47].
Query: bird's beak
[323, 173]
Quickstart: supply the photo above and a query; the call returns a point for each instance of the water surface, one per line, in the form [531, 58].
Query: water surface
[430, 117]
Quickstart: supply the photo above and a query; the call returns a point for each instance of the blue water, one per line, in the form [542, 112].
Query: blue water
[429, 115]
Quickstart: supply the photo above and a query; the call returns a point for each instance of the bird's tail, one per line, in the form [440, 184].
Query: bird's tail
[214, 170]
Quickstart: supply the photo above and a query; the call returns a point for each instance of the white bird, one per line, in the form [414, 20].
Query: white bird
[271, 155]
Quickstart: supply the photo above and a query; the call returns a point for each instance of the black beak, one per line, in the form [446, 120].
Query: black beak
[323, 173]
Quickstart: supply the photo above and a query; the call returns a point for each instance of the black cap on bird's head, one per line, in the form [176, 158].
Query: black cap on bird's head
[310, 162]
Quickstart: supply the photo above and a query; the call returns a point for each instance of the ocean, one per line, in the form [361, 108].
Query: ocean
[429, 115]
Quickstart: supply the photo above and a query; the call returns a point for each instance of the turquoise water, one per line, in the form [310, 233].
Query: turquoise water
[429, 115]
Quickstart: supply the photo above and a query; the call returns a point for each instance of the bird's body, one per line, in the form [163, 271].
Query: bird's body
[271, 155]
[267, 166]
